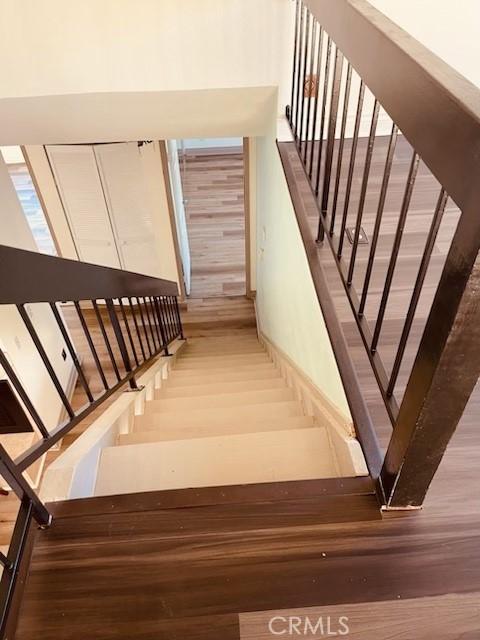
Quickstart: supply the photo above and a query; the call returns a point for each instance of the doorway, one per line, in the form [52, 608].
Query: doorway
[212, 175]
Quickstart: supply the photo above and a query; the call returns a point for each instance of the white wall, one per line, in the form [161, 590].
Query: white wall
[287, 306]
[14, 338]
[209, 143]
[449, 29]
[57, 47]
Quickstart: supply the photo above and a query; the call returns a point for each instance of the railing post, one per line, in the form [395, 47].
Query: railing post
[121, 342]
[14, 478]
[446, 370]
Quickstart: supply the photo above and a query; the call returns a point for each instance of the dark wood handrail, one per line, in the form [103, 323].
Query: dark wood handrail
[35, 277]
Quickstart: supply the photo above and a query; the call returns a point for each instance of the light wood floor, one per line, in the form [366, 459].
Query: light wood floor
[213, 189]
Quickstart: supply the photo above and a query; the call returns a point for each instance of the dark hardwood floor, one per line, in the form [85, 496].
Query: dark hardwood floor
[218, 564]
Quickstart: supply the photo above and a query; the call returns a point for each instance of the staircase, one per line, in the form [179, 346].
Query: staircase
[224, 416]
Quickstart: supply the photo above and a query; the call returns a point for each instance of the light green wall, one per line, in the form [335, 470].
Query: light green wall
[287, 306]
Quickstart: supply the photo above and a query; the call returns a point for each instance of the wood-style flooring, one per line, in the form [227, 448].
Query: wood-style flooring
[213, 190]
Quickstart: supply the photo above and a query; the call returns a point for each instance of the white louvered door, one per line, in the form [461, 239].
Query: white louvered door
[80, 188]
[126, 192]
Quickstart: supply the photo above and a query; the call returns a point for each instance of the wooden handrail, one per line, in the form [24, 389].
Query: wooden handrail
[35, 277]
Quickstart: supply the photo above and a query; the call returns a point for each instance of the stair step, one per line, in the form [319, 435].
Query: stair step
[221, 362]
[209, 429]
[179, 379]
[220, 370]
[217, 416]
[275, 456]
[229, 400]
[223, 350]
[218, 388]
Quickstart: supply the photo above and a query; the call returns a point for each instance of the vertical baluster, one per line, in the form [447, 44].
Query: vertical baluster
[299, 69]
[17, 385]
[170, 317]
[46, 361]
[162, 307]
[353, 155]
[149, 320]
[129, 334]
[117, 330]
[91, 345]
[341, 144]
[137, 329]
[315, 105]
[309, 108]
[142, 318]
[332, 125]
[161, 324]
[106, 340]
[396, 248]
[295, 56]
[323, 112]
[378, 219]
[417, 289]
[304, 78]
[155, 322]
[363, 191]
[72, 352]
[179, 319]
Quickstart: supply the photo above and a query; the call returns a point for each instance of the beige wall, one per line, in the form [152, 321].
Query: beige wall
[449, 29]
[58, 46]
[287, 307]
[14, 338]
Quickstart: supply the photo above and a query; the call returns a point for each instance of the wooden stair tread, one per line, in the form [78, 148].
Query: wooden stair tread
[273, 456]
[219, 388]
[232, 399]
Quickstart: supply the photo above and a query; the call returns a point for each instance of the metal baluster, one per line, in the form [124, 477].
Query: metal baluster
[43, 355]
[297, 106]
[161, 307]
[309, 109]
[129, 334]
[417, 290]
[353, 155]
[106, 340]
[396, 247]
[305, 55]
[161, 325]
[91, 345]
[147, 315]
[332, 125]
[14, 478]
[295, 44]
[341, 144]
[71, 350]
[147, 337]
[179, 319]
[363, 191]
[155, 322]
[315, 108]
[17, 385]
[324, 109]
[137, 329]
[169, 318]
[117, 330]
[378, 219]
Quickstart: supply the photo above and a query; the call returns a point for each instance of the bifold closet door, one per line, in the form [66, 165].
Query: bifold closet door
[126, 192]
[80, 188]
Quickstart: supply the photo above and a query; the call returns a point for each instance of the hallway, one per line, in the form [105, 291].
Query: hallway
[213, 190]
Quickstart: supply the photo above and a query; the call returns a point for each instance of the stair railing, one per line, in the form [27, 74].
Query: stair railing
[135, 317]
[342, 50]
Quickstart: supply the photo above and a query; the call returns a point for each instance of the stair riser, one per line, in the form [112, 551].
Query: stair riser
[227, 400]
[178, 380]
[217, 388]
[217, 417]
[207, 430]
